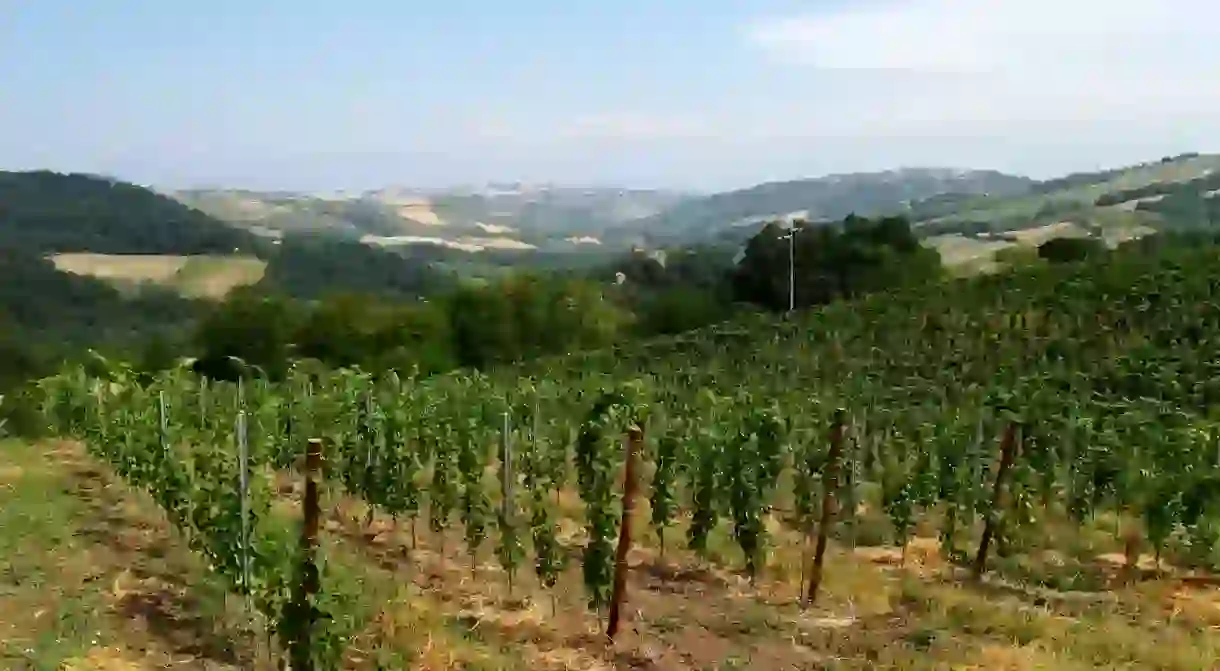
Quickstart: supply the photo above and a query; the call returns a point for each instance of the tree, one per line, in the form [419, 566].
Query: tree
[677, 310]
[484, 331]
[760, 276]
[1066, 250]
[341, 331]
[831, 261]
[586, 317]
[412, 336]
[254, 328]
[525, 316]
[316, 266]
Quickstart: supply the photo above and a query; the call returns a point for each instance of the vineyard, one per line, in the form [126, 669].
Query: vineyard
[1008, 417]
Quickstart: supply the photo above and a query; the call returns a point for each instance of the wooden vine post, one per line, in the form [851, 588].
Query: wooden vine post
[635, 439]
[1008, 446]
[302, 614]
[830, 482]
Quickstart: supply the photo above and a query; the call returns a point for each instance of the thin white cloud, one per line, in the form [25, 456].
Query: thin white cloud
[629, 125]
[948, 68]
[999, 36]
[982, 64]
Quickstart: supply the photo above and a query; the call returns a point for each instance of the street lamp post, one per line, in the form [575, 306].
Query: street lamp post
[792, 231]
[791, 270]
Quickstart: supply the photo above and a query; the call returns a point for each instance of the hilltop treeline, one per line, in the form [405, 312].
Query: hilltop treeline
[1190, 204]
[46, 212]
[1086, 178]
[529, 315]
[831, 262]
[311, 266]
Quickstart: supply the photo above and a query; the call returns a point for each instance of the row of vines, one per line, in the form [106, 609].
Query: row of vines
[992, 407]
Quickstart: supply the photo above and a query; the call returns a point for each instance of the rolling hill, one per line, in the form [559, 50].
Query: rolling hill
[107, 255]
[135, 240]
[401, 241]
[736, 214]
[969, 216]
[503, 217]
[47, 212]
[507, 225]
[1179, 192]
[1085, 198]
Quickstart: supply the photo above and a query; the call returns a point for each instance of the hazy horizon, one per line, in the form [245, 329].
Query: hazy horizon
[680, 95]
[458, 186]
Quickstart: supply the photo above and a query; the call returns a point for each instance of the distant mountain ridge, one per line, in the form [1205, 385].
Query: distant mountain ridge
[821, 198]
[516, 218]
[495, 216]
[402, 234]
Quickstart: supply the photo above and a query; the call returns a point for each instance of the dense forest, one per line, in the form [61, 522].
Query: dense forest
[49, 311]
[50, 212]
[47, 317]
[312, 266]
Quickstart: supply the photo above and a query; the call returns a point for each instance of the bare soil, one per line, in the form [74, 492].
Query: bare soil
[98, 581]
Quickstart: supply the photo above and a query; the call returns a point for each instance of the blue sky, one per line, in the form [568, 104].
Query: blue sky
[701, 94]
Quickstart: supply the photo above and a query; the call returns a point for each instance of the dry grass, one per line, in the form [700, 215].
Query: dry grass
[132, 267]
[966, 256]
[958, 251]
[1037, 235]
[193, 276]
[420, 212]
[464, 243]
[215, 277]
[93, 578]
[875, 611]
[431, 607]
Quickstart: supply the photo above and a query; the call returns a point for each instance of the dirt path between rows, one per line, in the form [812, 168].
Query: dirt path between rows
[93, 577]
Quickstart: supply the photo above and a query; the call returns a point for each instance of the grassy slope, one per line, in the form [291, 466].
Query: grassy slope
[213, 277]
[193, 276]
[93, 579]
[1113, 223]
[1084, 196]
